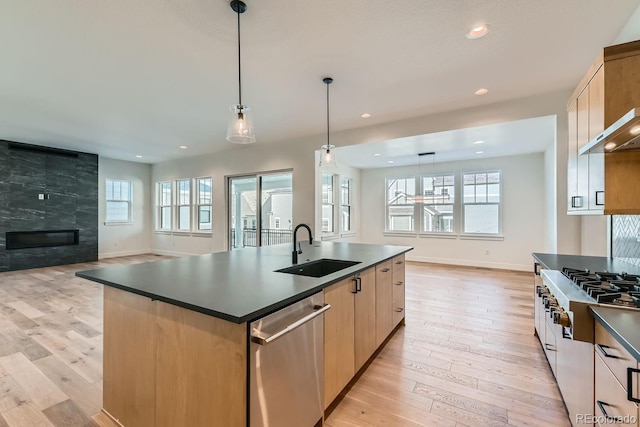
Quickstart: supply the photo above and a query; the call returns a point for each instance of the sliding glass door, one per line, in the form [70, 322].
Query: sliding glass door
[260, 209]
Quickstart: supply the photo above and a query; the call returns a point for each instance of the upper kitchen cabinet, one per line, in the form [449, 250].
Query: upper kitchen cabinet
[609, 89]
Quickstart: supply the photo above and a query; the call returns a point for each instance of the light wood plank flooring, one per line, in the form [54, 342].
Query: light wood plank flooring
[467, 355]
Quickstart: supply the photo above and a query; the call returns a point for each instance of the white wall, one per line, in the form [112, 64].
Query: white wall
[551, 201]
[523, 213]
[125, 239]
[594, 236]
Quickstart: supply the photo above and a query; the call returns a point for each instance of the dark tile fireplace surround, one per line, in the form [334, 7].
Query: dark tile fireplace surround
[48, 206]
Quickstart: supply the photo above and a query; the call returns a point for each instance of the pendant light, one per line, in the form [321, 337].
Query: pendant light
[427, 196]
[240, 128]
[327, 156]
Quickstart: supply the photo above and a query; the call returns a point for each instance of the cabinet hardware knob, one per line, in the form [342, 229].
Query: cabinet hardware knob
[385, 270]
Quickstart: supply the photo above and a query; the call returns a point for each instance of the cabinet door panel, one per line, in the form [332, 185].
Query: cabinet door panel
[596, 104]
[384, 299]
[339, 354]
[365, 318]
[610, 397]
[596, 181]
[572, 155]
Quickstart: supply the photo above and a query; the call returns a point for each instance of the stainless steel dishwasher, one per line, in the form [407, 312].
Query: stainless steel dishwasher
[286, 366]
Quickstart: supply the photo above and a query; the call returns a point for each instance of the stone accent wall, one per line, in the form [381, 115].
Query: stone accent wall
[625, 235]
[70, 180]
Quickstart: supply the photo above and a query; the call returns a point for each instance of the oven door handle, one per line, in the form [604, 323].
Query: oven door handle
[630, 372]
[318, 310]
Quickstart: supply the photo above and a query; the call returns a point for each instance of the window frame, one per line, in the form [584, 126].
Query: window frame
[160, 206]
[198, 204]
[453, 203]
[178, 204]
[330, 202]
[348, 205]
[463, 204]
[414, 227]
[129, 202]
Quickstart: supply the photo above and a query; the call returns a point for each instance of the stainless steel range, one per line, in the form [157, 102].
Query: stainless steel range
[566, 328]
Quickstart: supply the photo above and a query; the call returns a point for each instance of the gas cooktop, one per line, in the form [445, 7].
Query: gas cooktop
[618, 289]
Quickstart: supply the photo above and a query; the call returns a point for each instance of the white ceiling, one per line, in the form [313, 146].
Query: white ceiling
[127, 77]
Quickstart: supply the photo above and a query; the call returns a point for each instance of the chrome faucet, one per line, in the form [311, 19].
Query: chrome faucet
[298, 250]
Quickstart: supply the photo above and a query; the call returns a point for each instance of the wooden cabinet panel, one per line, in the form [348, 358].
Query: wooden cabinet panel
[339, 350]
[384, 300]
[596, 104]
[550, 348]
[572, 155]
[622, 174]
[583, 117]
[398, 282]
[610, 397]
[365, 318]
[621, 86]
[618, 359]
[398, 263]
[398, 309]
[129, 367]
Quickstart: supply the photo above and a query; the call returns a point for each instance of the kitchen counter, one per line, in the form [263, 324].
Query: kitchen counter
[593, 263]
[622, 324]
[242, 285]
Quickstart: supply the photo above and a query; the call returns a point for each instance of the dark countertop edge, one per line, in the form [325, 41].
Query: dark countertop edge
[622, 340]
[248, 317]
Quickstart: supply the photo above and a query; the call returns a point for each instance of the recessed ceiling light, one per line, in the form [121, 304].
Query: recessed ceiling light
[478, 142]
[138, 156]
[610, 145]
[479, 152]
[481, 91]
[376, 154]
[184, 147]
[365, 115]
[390, 161]
[635, 130]
[478, 31]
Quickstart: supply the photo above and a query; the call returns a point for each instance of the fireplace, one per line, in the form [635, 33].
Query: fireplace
[41, 239]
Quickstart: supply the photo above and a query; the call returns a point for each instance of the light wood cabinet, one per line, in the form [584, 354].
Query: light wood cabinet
[365, 317]
[384, 301]
[609, 89]
[339, 332]
[612, 362]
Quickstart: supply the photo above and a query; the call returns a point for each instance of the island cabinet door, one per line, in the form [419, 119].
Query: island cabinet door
[365, 317]
[339, 350]
[384, 301]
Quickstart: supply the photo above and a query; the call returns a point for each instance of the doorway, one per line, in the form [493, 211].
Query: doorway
[260, 209]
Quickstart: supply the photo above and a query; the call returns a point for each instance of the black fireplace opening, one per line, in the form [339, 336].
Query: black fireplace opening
[41, 239]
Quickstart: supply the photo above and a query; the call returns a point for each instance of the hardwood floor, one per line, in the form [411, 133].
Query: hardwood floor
[467, 355]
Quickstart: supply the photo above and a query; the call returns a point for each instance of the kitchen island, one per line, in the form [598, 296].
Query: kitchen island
[176, 333]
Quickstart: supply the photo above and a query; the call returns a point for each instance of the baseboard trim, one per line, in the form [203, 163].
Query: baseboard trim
[470, 263]
[172, 253]
[103, 255]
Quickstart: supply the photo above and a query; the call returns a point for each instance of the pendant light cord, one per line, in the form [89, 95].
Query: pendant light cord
[239, 65]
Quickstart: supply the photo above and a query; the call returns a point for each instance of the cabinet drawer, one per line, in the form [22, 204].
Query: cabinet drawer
[398, 262]
[611, 398]
[616, 357]
[398, 282]
[398, 309]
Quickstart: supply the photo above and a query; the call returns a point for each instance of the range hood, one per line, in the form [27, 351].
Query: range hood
[623, 135]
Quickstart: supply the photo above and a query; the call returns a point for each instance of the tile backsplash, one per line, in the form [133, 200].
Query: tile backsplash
[626, 238]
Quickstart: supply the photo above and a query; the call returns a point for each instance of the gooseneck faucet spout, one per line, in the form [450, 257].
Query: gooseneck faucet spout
[298, 250]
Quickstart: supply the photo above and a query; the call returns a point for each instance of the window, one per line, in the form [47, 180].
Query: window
[276, 221]
[345, 204]
[164, 206]
[400, 204]
[438, 200]
[327, 203]
[183, 187]
[118, 198]
[204, 204]
[481, 202]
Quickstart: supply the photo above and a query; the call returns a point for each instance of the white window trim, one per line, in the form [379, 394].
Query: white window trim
[334, 234]
[197, 205]
[416, 223]
[129, 203]
[453, 204]
[177, 205]
[159, 206]
[350, 231]
[480, 236]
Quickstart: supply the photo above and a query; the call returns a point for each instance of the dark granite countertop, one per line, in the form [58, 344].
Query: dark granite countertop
[239, 286]
[593, 263]
[622, 324]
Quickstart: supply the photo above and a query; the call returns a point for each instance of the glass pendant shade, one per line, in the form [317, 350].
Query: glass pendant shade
[328, 157]
[240, 128]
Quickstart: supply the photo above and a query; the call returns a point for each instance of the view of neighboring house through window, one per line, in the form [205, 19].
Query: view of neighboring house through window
[481, 202]
[118, 198]
[327, 203]
[400, 204]
[345, 204]
[438, 195]
[164, 206]
[183, 187]
[204, 204]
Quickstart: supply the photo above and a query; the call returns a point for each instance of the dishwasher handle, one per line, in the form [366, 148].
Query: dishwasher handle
[318, 310]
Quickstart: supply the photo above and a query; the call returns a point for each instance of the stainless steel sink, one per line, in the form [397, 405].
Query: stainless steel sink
[318, 268]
